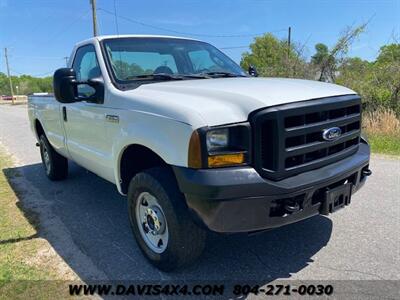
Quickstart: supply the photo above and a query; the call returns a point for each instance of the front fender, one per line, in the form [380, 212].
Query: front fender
[166, 137]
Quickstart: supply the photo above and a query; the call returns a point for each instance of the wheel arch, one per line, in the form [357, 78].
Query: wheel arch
[39, 130]
[133, 159]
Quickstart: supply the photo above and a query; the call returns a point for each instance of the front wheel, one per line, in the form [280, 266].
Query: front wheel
[160, 221]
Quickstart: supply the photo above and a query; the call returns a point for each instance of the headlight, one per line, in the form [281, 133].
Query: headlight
[217, 139]
[220, 147]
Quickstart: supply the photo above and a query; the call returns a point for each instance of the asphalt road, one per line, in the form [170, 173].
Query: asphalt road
[85, 220]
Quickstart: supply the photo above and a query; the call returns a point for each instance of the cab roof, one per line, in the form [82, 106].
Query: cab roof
[103, 37]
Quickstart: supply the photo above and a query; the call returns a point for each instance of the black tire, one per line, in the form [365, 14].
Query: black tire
[186, 240]
[57, 167]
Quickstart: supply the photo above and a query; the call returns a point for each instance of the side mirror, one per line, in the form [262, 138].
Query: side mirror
[67, 89]
[253, 71]
[64, 85]
[98, 85]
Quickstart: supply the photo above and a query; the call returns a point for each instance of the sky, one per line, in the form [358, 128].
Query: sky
[40, 33]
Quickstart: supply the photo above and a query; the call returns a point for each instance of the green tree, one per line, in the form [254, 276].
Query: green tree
[355, 74]
[321, 54]
[26, 84]
[377, 82]
[389, 54]
[326, 62]
[272, 57]
[386, 74]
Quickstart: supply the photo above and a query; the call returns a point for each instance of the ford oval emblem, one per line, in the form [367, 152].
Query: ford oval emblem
[331, 134]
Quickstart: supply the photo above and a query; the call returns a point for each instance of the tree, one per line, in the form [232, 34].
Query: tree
[26, 84]
[355, 74]
[377, 82]
[326, 61]
[386, 72]
[272, 57]
[389, 53]
[321, 54]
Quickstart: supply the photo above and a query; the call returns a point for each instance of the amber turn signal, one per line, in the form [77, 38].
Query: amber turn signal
[194, 153]
[226, 160]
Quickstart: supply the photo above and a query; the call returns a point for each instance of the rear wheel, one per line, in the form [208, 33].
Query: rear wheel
[160, 220]
[55, 165]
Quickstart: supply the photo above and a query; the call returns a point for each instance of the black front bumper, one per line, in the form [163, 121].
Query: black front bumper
[240, 200]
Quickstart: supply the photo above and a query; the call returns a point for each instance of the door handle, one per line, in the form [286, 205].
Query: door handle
[64, 112]
[112, 118]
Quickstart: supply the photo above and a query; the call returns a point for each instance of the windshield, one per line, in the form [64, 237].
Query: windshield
[133, 59]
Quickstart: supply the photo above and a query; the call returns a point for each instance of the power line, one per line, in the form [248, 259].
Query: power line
[234, 47]
[69, 26]
[32, 75]
[54, 37]
[187, 33]
[35, 57]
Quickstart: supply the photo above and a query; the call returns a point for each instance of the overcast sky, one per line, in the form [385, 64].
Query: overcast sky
[39, 33]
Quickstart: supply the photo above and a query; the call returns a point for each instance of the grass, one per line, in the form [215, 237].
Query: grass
[382, 129]
[384, 144]
[20, 247]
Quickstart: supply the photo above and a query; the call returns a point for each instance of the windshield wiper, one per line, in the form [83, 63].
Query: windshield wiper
[166, 76]
[157, 76]
[221, 74]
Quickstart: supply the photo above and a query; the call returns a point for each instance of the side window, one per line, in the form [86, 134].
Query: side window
[86, 67]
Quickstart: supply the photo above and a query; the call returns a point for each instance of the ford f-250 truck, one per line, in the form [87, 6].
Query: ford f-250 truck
[197, 144]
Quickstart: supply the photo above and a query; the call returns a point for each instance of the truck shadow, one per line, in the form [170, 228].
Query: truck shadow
[95, 216]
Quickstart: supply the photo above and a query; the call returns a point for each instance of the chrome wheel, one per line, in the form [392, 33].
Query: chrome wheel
[151, 222]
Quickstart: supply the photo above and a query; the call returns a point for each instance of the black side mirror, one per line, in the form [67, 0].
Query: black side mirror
[98, 84]
[64, 85]
[253, 71]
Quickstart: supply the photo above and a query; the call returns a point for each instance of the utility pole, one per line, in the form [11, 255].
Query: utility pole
[66, 60]
[9, 76]
[288, 50]
[94, 17]
[289, 39]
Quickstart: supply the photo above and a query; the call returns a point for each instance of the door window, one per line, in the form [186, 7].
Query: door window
[86, 67]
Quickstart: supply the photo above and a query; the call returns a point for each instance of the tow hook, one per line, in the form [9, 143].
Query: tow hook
[291, 207]
[366, 172]
[37, 145]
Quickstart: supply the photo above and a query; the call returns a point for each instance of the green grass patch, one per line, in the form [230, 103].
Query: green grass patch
[21, 273]
[385, 144]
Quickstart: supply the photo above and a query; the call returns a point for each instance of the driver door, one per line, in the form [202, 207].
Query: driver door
[84, 122]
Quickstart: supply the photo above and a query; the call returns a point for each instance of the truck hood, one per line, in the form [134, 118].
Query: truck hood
[210, 102]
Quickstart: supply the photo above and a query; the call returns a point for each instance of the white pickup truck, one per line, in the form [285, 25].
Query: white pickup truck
[196, 143]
